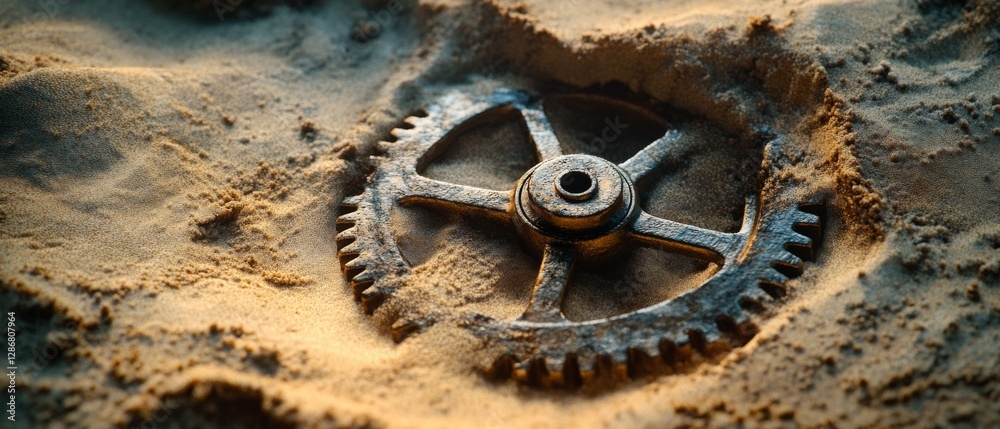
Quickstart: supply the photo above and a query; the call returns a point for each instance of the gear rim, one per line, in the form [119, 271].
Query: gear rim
[541, 348]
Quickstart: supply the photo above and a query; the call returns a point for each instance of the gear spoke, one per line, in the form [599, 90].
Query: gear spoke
[653, 156]
[688, 240]
[546, 299]
[452, 196]
[542, 135]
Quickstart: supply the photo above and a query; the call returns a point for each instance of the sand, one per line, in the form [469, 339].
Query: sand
[169, 185]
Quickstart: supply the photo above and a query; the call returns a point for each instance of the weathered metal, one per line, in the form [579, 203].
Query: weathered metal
[573, 209]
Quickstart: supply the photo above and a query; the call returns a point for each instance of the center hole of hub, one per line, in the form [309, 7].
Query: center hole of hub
[576, 182]
[576, 185]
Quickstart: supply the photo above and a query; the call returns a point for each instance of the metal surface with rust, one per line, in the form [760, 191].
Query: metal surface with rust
[573, 209]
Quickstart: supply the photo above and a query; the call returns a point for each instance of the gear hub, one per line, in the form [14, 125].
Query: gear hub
[571, 209]
[580, 200]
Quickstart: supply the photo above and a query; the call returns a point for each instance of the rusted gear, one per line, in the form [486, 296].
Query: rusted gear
[574, 209]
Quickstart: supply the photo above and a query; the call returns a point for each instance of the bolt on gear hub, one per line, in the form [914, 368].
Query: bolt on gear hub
[573, 209]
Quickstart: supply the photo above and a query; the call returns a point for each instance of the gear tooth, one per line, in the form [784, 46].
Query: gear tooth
[755, 300]
[651, 348]
[349, 272]
[351, 268]
[349, 233]
[612, 366]
[348, 263]
[808, 221]
[358, 263]
[604, 366]
[675, 351]
[399, 133]
[521, 365]
[739, 329]
[775, 290]
[360, 281]
[756, 294]
[352, 247]
[352, 201]
[372, 299]
[348, 219]
[538, 372]
[351, 217]
[364, 276]
[346, 236]
[402, 329]
[345, 254]
[699, 341]
[788, 259]
[716, 344]
[709, 332]
[409, 127]
[555, 369]
[346, 224]
[771, 281]
[726, 322]
[799, 239]
[360, 287]
[801, 246]
[682, 340]
[804, 217]
[414, 120]
[585, 365]
[619, 357]
[431, 112]
[641, 361]
[773, 276]
[668, 351]
[788, 264]
[752, 305]
[520, 370]
[572, 376]
[502, 368]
